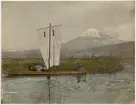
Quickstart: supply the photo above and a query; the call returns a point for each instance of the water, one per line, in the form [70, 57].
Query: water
[98, 88]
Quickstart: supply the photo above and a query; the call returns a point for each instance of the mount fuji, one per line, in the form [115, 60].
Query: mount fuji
[91, 41]
[91, 38]
[91, 33]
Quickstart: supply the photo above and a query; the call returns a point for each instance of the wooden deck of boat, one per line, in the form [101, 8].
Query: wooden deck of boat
[52, 73]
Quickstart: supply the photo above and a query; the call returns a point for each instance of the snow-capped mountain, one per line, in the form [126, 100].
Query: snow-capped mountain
[91, 33]
[91, 41]
[91, 38]
[94, 33]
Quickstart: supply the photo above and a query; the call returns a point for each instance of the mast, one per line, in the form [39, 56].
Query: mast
[49, 63]
[49, 45]
[53, 47]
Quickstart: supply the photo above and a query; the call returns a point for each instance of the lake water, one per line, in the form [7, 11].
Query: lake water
[98, 89]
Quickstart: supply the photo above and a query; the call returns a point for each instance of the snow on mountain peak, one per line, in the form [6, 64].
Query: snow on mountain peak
[91, 33]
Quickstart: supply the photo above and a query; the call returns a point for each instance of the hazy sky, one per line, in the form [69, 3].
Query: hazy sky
[21, 19]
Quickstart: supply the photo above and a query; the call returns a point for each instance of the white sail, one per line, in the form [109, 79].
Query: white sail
[55, 45]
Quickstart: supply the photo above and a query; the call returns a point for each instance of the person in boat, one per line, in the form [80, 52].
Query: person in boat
[38, 68]
[44, 67]
[80, 67]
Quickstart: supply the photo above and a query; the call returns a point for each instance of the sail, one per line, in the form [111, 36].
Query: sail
[56, 45]
[52, 56]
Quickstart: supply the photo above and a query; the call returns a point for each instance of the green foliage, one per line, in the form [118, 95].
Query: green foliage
[93, 65]
[21, 64]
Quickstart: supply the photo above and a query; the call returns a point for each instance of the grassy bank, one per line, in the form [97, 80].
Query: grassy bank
[93, 65]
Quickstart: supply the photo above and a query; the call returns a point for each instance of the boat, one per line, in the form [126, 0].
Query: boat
[49, 43]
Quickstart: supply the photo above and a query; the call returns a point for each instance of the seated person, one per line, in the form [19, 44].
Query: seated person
[39, 68]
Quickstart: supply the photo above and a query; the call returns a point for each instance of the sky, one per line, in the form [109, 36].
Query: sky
[21, 19]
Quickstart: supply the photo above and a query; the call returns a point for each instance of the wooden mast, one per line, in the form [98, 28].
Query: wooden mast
[49, 45]
[53, 47]
[49, 63]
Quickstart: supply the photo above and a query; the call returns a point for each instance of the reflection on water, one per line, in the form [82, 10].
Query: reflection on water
[98, 88]
[35, 89]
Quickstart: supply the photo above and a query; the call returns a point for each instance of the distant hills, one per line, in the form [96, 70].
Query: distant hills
[123, 50]
[91, 41]
[34, 53]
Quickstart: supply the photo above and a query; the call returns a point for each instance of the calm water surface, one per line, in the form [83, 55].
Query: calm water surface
[98, 88]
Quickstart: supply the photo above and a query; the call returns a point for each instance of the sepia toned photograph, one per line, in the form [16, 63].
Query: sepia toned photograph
[67, 52]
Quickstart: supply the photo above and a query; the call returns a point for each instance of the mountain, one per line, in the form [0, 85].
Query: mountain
[122, 50]
[91, 33]
[35, 53]
[89, 39]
